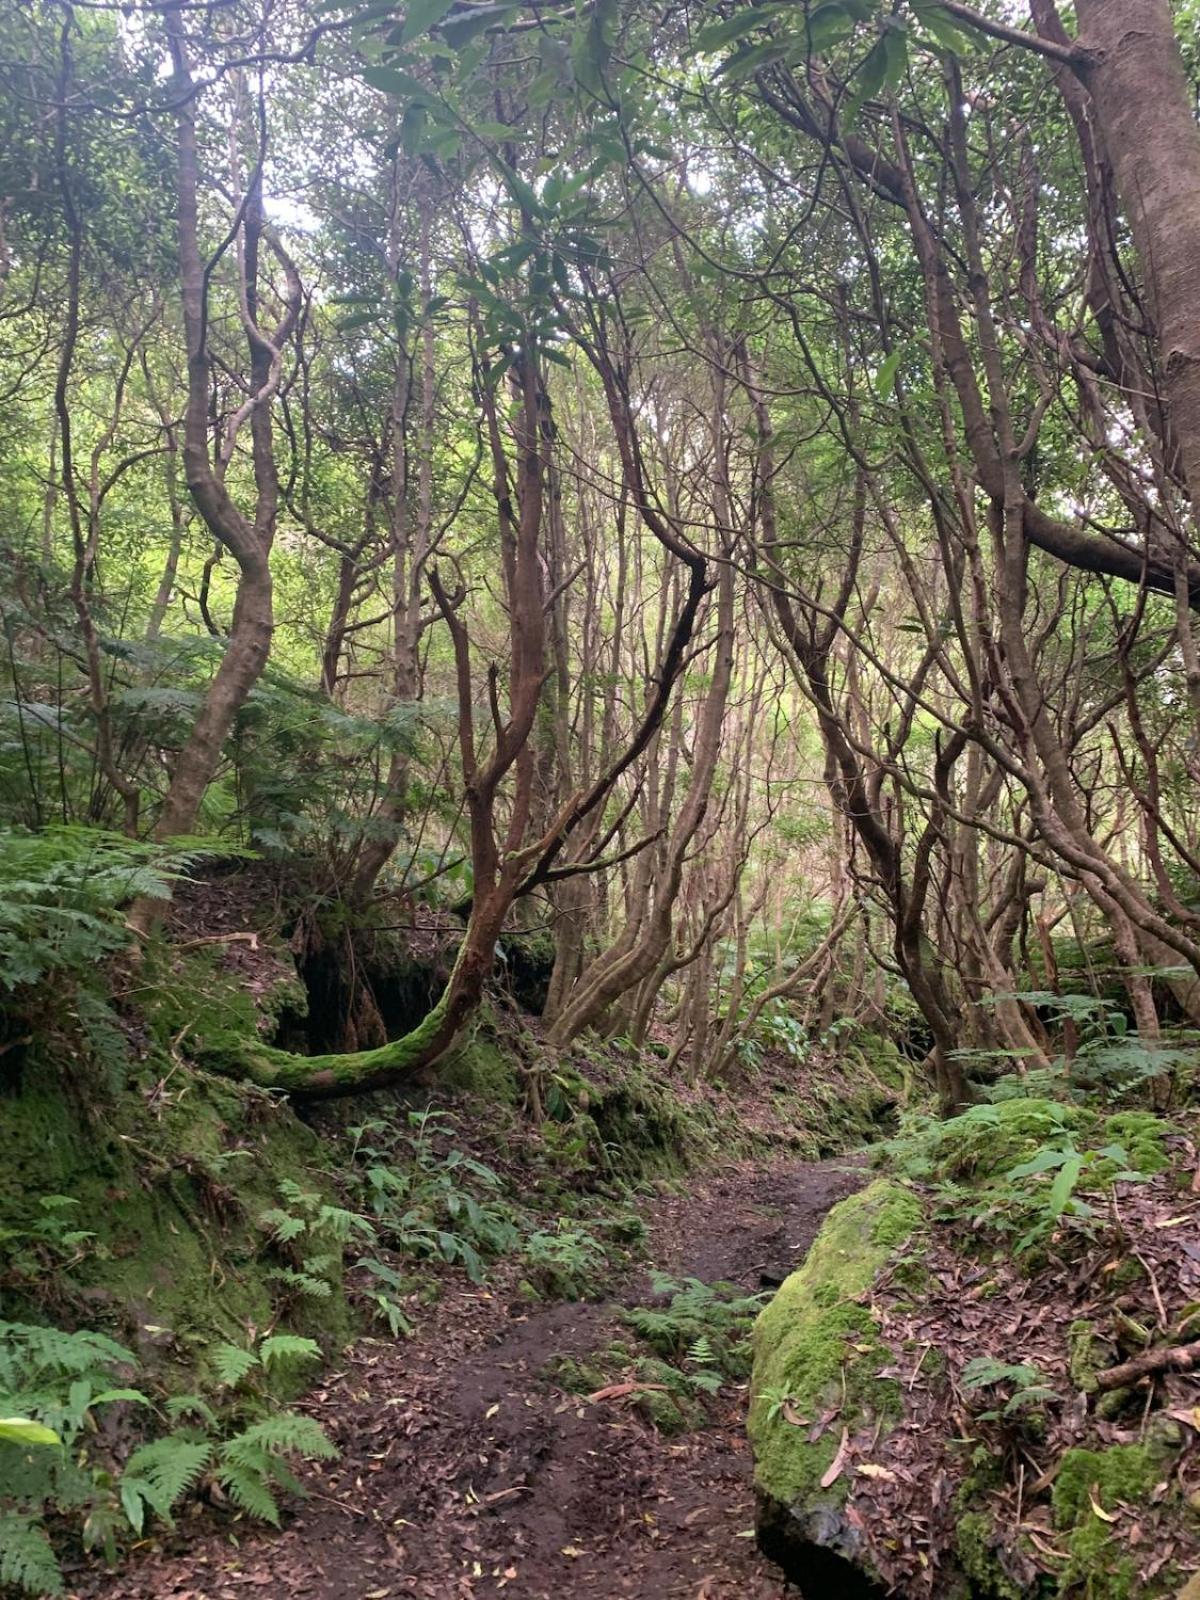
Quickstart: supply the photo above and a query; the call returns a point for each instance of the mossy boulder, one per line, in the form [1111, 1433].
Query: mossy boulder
[975, 1546]
[1090, 1486]
[817, 1352]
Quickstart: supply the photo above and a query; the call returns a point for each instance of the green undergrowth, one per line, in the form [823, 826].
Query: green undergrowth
[680, 1350]
[1017, 1170]
[1090, 1489]
[1099, 1495]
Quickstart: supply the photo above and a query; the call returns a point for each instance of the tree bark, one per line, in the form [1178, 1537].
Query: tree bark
[1138, 83]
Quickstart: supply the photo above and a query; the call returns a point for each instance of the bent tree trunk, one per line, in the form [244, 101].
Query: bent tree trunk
[359, 1071]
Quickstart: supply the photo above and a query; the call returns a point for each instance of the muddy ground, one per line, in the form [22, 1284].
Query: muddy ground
[466, 1472]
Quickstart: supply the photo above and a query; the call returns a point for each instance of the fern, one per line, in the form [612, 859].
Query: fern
[283, 1226]
[231, 1363]
[61, 896]
[26, 1560]
[52, 1459]
[157, 1475]
[701, 1351]
[248, 1488]
[704, 1324]
[707, 1381]
[286, 1433]
[341, 1224]
[288, 1347]
[301, 1282]
[252, 1463]
[51, 1352]
[172, 1465]
[178, 1406]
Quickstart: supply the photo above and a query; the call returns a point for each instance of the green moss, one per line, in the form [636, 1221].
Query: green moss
[1086, 1355]
[171, 1175]
[987, 1141]
[1100, 1565]
[668, 1402]
[480, 1067]
[577, 1374]
[974, 1534]
[820, 1349]
[894, 1215]
[1141, 1135]
[671, 1406]
[336, 1073]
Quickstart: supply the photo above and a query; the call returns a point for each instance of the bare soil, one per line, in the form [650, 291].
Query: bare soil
[466, 1472]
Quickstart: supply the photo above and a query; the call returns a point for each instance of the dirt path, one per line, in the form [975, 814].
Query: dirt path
[466, 1472]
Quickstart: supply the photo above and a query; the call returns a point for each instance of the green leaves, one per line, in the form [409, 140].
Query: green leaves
[743, 63]
[420, 16]
[1063, 1186]
[521, 191]
[20, 1430]
[882, 68]
[983, 1371]
[827, 25]
[26, 1560]
[230, 1363]
[886, 376]
[288, 1347]
[718, 34]
[945, 30]
[157, 1475]
[468, 24]
[395, 81]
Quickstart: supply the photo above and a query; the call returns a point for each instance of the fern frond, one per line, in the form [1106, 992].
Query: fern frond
[170, 1466]
[282, 1225]
[302, 1282]
[286, 1433]
[707, 1381]
[701, 1350]
[190, 1405]
[248, 1490]
[50, 1350]
[231, 1363]
[26, 1560]
[287, 1347]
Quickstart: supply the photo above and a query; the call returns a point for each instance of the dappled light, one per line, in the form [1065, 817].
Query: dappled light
[599, 858]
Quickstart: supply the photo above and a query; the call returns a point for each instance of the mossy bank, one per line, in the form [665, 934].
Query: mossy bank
[928, 1408]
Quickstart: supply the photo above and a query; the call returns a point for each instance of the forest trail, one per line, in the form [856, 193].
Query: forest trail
[465, 1471]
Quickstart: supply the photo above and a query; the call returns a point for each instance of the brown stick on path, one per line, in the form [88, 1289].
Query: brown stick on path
[1167, 1358]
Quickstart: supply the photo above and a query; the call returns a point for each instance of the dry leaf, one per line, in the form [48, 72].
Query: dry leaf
[617, 1391]
[1105, 1516]
[834, 1470]
[872, 1469]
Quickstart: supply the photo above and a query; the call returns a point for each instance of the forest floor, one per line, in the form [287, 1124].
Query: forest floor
[465, 1470]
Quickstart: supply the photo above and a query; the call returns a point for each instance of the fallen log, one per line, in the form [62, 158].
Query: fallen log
[1167, 1358]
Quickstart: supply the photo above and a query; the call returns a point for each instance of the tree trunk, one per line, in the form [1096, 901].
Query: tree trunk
[1138, 83]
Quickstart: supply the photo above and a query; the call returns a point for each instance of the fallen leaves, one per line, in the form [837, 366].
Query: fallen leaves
[834, 1470]
[620, 1391]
